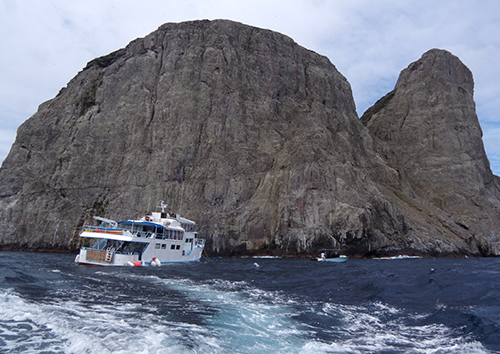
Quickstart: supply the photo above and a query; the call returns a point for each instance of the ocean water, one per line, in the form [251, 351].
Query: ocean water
[48, 304]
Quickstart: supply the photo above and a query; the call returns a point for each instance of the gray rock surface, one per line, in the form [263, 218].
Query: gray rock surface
[431, 137]
[257, 139]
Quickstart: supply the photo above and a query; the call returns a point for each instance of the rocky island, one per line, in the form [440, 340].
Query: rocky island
[257, 139]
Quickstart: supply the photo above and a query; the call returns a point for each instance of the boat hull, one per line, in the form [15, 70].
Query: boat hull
[89, 256]
[340, 259]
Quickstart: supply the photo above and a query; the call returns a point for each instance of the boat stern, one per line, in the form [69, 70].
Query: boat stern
[90, 256]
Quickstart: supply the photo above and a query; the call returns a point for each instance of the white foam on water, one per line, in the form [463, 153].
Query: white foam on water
[378, 327]
[18, 331]
[236, 317]
[244, 322]
[400, 257]
[317, 347]
[250, 320]
[71, 327]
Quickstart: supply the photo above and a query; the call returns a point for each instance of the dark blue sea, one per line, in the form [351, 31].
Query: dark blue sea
[48, 304]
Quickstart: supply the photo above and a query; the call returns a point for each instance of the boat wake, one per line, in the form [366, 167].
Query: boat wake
[154, 310]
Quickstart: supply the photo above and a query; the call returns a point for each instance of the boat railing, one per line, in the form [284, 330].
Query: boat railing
[117, 231]
[101, 229]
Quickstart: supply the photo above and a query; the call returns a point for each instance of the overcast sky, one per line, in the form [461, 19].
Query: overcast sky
[44, 44]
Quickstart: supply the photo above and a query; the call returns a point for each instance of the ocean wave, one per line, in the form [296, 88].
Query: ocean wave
[77, 328]
[282, 306]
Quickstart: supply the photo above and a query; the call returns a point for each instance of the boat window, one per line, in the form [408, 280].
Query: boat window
[163, 246]
[157, 246]
[132, 248]
[188, 227]
[172, 247]
[178, 247]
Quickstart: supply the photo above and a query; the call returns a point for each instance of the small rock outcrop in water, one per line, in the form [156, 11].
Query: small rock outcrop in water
[258, 140]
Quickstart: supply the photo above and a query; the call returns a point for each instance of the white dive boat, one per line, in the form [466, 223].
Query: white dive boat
[330, 256]
[155, 239]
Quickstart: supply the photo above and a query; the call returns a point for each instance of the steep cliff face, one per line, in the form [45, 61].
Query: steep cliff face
[431, 136]
[249, 134]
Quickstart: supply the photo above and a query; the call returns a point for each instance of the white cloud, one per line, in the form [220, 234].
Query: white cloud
[45, 43]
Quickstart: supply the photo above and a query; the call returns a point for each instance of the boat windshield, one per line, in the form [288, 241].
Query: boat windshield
[121, 247]
[141, 229]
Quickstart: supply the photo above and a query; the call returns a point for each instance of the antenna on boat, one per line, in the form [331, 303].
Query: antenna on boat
[163, 206]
